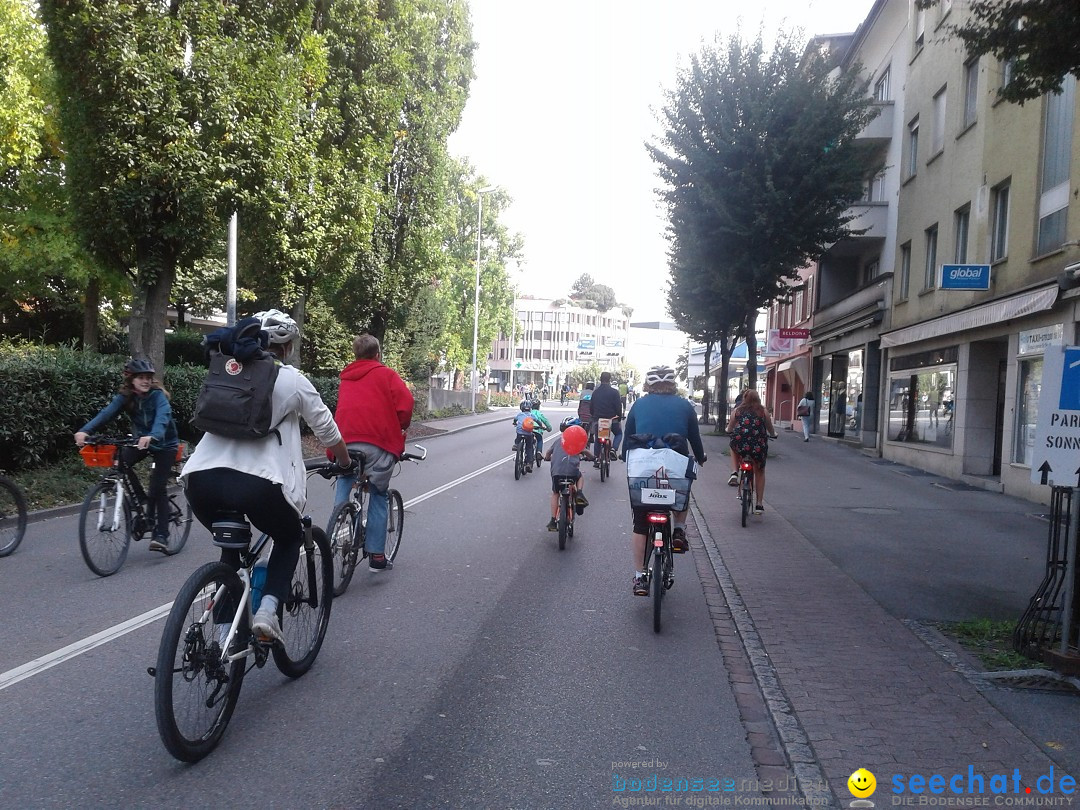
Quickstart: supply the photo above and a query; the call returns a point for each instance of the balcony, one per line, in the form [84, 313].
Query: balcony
[879, 131]
[873, 217]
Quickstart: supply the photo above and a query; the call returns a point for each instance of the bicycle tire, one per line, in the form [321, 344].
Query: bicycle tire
[395, 524]
[12, 516]
[564, 520]
[194, 692]
[744, 491]
[179, 521]
[305, 611]
[343, 546]
[104, 547]
[605, 464]
[656, 579]
[519, 464]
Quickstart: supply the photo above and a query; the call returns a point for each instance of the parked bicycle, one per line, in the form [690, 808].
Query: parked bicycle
[207, 646]
[117, 510]
[347, 528]
[12, 516]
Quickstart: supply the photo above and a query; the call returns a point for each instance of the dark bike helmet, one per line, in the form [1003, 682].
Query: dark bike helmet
[138, 365]
[536, 404]
[567, 422]
[526, 405]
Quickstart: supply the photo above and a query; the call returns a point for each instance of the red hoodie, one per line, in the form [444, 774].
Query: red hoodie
[374, 406]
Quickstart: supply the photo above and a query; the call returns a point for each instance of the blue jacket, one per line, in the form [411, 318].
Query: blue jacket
[152, 417]
[659, 414]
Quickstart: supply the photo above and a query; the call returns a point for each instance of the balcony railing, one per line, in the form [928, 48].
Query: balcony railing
[881, 128]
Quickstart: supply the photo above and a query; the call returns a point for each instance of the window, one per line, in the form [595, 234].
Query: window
[1054, 181]
[881, 87]
[920, 27]
[930, 271]
[922, 406]
[1027, 408]
[874, 188]
[905, 269]
[971, 91]
[938, 141]
[962, 224]
[913, 148]
[870, 271]
[999, 235]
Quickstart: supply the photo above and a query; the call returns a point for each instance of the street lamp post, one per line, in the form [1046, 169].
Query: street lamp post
[476, 292]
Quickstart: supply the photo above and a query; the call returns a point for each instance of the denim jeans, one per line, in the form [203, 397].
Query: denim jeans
[377, 505]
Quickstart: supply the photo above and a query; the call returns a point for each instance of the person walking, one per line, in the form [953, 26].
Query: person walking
[805, 411]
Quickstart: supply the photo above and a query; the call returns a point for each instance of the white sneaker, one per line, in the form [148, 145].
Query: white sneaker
[266, 627]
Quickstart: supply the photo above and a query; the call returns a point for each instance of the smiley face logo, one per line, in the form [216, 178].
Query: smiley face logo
[862, 783]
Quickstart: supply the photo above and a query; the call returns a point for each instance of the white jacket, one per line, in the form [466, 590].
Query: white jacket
[280, 462]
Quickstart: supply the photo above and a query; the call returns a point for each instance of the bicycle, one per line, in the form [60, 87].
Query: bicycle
[603, 439]
[116, 509]
[207, 642]
[523, 457]
[347, 528]
[12, 516]
[746, 488]
[659, 562]
[567, 509]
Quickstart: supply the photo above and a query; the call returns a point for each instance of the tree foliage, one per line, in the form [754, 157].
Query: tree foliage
[587, 293]
[1037, 37]
[759, 168]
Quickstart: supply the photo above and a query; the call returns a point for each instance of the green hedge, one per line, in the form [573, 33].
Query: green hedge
[52, 391]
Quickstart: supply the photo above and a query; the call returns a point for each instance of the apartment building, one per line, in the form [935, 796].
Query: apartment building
[551, 338]
[983, 182]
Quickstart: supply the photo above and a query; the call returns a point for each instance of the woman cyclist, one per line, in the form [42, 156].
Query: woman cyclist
[661, 413]
[146, 403]
[750, 427]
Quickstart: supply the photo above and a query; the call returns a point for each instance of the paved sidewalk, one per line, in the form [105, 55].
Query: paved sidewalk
[848, 684]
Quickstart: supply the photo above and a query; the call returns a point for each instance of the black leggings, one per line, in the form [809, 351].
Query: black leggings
[158, 496]
[224, 490]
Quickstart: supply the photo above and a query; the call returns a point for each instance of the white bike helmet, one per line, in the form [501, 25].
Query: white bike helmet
[659, 374]
[279, 327]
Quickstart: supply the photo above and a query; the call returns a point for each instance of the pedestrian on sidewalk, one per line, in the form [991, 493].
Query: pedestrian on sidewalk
[805, 411]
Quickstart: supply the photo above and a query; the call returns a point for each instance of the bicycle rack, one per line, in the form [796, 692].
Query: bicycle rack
[1039, 633]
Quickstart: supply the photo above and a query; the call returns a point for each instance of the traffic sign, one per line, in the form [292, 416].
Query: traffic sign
[1056, 459]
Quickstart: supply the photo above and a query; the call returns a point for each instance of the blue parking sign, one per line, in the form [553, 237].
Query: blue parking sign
[1069, 399]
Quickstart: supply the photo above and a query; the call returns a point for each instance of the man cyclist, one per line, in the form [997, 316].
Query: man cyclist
[661, 413]
[264, 478]
[606, 404]
[373, 412]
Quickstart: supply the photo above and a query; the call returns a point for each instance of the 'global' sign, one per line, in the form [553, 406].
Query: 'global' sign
[965, 277]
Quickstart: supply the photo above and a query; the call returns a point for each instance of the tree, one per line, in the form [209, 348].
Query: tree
[760, 167]
[1037, 38]
[585, 292]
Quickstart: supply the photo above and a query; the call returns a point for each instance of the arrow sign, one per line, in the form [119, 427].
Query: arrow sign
[1045, 469]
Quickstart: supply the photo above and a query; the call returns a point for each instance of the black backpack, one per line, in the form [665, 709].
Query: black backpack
[236, 399]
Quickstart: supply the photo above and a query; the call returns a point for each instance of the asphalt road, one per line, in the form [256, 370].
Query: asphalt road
[488, 669]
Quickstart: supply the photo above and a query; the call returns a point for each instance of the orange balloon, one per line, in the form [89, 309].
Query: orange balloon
[574, 439]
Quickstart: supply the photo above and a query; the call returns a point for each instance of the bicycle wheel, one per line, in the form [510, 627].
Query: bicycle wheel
[180, 522]
[195, 691]
[342, 549]
[305, 612]
[605, 463]
[395, 522]
[656, 580]
[745, 489]
[564, 519]
[519, 464]
[12, 516]
[104, 535]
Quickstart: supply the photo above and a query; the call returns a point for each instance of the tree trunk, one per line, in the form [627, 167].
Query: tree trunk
[705, 396]
[722, 388]
[149, 309]
[751, 349]
[92, 316]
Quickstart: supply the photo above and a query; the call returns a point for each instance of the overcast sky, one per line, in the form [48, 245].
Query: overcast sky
[559, 112]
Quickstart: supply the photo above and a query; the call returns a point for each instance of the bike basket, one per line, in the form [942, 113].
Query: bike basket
[658, 477]
[603, 428]
[98, 455]
[180, 448]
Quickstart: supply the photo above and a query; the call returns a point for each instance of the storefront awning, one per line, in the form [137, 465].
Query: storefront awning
[798, 365]
[1015, 306]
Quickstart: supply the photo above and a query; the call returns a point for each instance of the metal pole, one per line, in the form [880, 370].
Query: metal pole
[1070, 569]
[476, 301]
[513, 334]
[230, 278]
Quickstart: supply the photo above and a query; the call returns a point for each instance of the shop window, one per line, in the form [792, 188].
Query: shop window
[1027, 408]
[922, 406]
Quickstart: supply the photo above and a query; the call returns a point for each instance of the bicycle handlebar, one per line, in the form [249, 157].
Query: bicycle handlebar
[407, 456]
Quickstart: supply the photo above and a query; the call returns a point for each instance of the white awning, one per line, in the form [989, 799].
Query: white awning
[799, 365]
[1015, 306]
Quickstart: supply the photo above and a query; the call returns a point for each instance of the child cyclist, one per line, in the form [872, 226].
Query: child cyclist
[146, 403]
[540, 424]
[523, 425]
[566, 466]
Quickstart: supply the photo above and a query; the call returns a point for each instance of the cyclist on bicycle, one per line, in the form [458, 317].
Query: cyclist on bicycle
[565, 467]
[264, 478]
[584, 406]
[606, 404]
[373, 412]
[750, 427]
[146, 403]
[661, 414]
[523, 432]
[540, 424]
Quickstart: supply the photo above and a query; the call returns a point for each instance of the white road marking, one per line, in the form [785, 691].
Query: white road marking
[39, 665]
